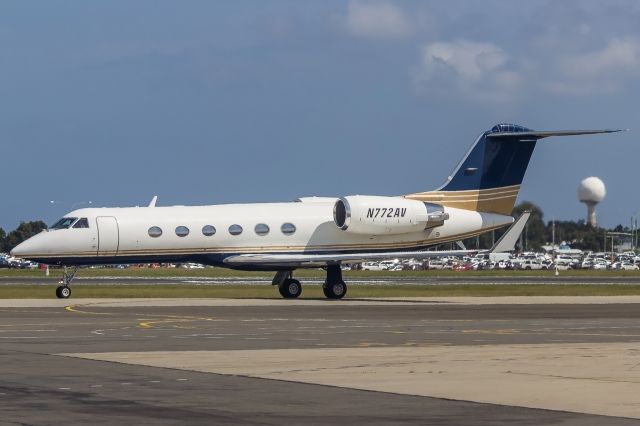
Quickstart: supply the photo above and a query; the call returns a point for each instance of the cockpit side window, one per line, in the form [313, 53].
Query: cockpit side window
[82, 223]
[64, 223]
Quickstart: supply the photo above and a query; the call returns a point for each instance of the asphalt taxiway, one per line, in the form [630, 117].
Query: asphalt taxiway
[475, 361]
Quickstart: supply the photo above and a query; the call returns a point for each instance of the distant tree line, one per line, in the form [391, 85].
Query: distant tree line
[22, 232]
[537, 232]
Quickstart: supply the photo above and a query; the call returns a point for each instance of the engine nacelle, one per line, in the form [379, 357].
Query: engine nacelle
[362, 214]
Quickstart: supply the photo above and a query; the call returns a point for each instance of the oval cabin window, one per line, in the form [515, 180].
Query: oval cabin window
[235, 229]
[288, 228]
[155, 231]
[262, 229]
[182, 231]
[208, 230]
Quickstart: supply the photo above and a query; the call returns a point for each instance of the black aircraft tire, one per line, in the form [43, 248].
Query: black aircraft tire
[63, 292]
[290, 289]
[335, 291]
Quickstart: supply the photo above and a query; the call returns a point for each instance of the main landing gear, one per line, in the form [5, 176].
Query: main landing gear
[289, 288]
[333, 288]
[64, 291]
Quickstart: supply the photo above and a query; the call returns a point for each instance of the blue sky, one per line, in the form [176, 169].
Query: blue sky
[207, 102]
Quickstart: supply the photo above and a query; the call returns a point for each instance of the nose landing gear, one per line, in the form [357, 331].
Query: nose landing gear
[64, 291]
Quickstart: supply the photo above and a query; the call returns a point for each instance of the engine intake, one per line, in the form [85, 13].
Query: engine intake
[362, 214]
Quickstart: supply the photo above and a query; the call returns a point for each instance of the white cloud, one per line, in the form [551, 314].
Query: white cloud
[377, 19]
[468, 59]
[475, 70]
[487, 72]
[603, 71]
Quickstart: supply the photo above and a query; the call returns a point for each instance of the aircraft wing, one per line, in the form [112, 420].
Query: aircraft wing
[297, 260]
[505, 243]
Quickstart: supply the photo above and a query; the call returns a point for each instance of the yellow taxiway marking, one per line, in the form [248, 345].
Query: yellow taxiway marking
[147, 323]
[72, 308]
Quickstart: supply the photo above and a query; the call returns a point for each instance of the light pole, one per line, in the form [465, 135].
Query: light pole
[617, 234]
[634, 230]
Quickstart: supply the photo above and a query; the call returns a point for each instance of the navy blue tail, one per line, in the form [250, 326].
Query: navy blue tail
[488, 178]
[499, 158]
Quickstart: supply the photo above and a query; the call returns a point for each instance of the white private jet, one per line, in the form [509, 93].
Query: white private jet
[311, 232]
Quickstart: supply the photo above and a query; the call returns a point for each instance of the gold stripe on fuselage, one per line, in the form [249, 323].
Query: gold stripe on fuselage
[494, 200]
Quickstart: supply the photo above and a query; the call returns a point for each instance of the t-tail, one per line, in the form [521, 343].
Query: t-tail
[489, 176]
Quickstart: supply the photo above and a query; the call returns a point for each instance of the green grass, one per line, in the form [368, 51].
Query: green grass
[315, 291]
[46, 290]
[305, 273]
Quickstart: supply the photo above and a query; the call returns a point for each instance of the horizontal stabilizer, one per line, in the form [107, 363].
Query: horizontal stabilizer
[534, 134]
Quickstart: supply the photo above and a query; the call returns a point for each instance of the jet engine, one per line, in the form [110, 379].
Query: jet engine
[375, 215]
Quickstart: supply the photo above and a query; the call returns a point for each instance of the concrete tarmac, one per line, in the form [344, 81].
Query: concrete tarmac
[318, 362]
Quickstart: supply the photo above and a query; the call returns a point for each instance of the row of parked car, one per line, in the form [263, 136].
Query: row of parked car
[524, 261]
[7, 261]
[486, 261]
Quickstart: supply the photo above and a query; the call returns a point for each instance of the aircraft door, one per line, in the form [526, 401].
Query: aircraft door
[108, 236]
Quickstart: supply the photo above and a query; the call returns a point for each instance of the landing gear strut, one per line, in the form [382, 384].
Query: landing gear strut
[334, 287]
[289, 288]
[64, 291]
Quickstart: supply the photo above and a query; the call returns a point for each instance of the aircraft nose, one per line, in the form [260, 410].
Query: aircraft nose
[19, 250]
[25, 248]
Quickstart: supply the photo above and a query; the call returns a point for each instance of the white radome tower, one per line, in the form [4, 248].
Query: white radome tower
[591, 191]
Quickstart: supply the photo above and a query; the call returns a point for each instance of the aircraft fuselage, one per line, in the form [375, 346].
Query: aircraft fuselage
[213, 233]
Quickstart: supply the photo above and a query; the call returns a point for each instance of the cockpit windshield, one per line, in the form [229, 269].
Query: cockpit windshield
[64, 223]
[81, 223]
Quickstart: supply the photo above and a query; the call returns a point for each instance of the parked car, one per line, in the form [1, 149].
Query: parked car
[628, 266]
[192, 266]
[372, 266]
[532, 264]
[599, 265]
[436, 264]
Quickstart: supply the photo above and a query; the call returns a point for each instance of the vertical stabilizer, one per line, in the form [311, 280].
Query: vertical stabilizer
[488, 178]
